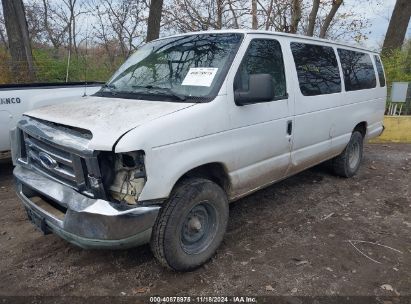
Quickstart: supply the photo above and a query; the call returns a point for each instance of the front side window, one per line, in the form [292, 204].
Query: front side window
[380, 70]
[358, 70]
[317, 69]
[263, 56]
[190, 67]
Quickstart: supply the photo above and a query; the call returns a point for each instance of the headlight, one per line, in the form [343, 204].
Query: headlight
[124, 176]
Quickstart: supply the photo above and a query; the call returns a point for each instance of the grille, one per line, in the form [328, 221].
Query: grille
[55, 162]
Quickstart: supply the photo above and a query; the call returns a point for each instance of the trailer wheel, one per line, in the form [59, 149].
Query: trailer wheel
[191, 225]
[348, 162]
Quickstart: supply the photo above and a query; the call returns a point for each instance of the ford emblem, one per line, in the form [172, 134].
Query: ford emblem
[47, 161]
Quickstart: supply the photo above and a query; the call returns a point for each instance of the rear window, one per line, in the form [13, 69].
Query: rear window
[380, 71]
[358, 70]
[317, 69]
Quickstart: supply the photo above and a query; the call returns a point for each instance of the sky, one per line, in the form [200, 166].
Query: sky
[379, 18]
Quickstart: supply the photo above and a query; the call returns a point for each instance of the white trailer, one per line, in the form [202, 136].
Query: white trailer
[17, 99]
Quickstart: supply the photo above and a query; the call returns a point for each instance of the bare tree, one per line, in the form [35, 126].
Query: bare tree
[329, 20]
[277, 14]
[254, 24]
[295, 15]
[47, 22]
[330, 16]
[120, 26]
[59, 19]
[194, 15]
[3, 37]
[55, 30]
[18, 40]
[233, 11]
[397, 27]
[219, 9]
[267, 13]
[154, 19]
[312, 17]
[70, 19]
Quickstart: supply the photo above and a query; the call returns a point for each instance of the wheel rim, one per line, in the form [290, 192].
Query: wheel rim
[199, 228]
[354, 156]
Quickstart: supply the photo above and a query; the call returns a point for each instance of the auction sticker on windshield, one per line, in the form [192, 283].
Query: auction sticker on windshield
[202, 77]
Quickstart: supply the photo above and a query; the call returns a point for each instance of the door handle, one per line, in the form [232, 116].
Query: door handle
[289, 127]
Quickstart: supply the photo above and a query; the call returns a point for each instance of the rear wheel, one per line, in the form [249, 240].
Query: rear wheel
[190, 225]
[348, 162]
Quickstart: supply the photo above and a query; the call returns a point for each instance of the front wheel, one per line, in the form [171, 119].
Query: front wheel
[190, 225]
[348, 162]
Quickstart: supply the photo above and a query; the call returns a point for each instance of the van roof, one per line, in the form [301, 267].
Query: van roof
[276, 34]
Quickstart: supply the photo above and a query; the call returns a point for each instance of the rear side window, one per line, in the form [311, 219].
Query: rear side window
[380, 70]
[317, 69]
[358, 70]
[264, 56]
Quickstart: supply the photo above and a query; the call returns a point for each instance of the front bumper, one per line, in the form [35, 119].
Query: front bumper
[83, 221]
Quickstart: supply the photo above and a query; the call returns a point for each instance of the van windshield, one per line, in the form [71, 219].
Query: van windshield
[186, 68]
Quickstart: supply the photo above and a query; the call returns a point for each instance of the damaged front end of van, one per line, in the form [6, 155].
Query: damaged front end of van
[89, 198]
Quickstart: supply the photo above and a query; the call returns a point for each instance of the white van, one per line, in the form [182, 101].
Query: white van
[188, 124]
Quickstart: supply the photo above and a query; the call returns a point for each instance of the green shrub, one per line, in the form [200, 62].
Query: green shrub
[397, 64]
[52, 67]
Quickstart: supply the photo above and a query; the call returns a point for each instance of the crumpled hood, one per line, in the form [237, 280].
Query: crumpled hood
[107, 118]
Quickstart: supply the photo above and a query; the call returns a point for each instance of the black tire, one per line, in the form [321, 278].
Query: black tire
[191, 225]
[348, 162]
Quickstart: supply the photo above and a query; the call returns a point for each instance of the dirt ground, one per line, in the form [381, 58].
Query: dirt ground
[292, 238]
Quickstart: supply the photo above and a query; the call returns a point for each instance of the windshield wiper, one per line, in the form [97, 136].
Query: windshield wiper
[110, 87]
[162, 91]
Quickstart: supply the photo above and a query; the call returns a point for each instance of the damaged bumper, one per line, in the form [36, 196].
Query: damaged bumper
[83, 221]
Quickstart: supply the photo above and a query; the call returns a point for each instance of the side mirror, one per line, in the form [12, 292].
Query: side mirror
[260, 89]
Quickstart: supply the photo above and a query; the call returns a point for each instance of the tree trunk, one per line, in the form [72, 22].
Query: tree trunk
[407, 67]
[219, 24]
[72, 26]
[397, 28]
[74, 33]
[70, 38]
[3, 38]
[295, 15]
[154, 20]
[18, 40]
[312, 17]
[268, 13]
[335, 6]
[254, 24]
[235, 18]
